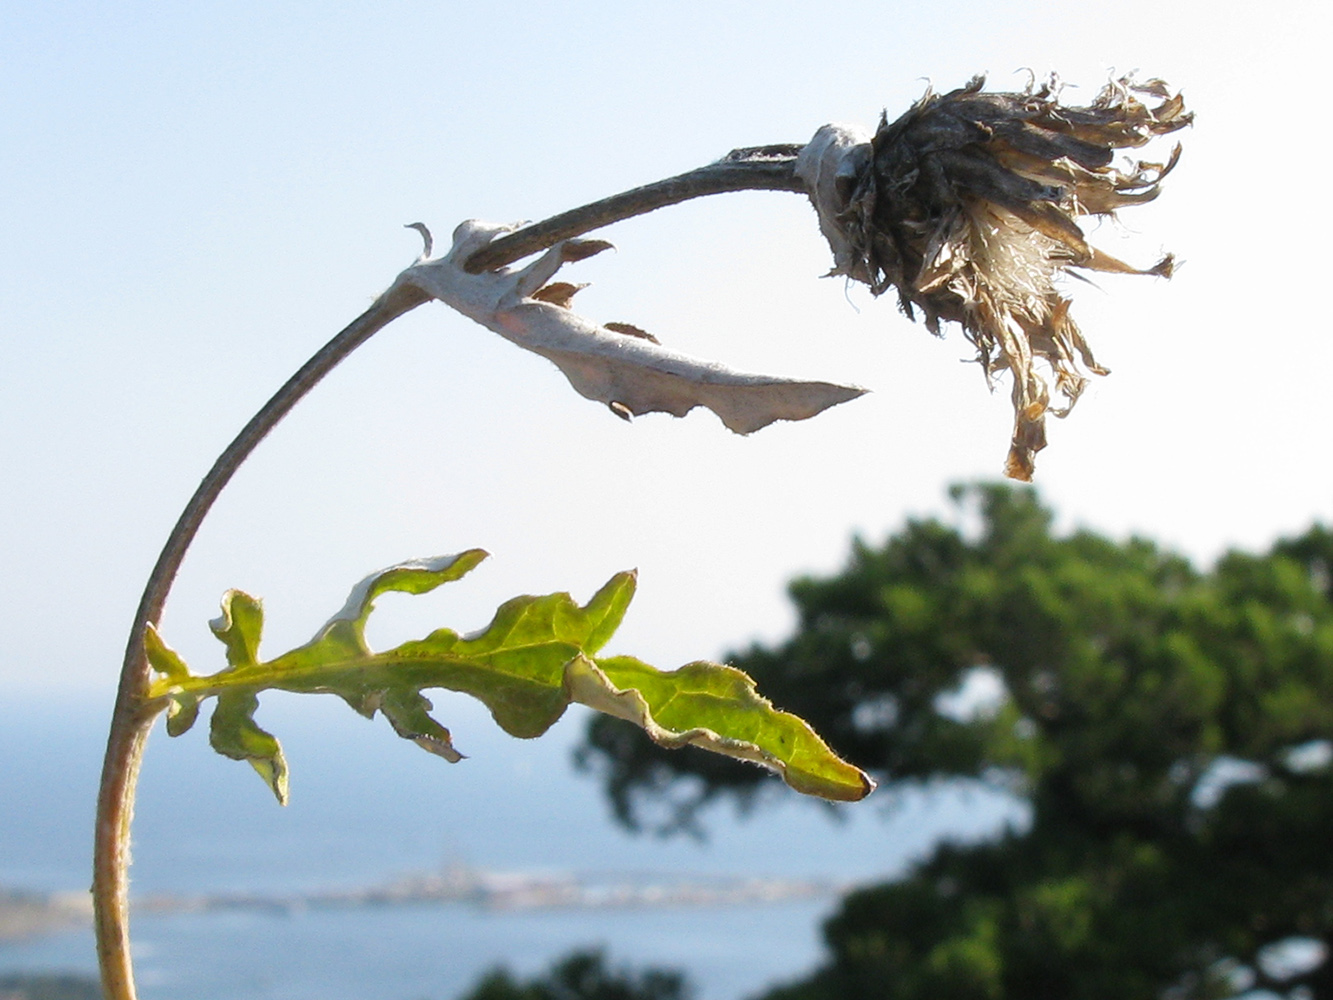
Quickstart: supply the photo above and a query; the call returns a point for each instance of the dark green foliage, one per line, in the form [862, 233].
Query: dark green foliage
[583, 976]
[1168, 727]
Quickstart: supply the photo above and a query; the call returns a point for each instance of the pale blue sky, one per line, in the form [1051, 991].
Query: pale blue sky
[198, 195]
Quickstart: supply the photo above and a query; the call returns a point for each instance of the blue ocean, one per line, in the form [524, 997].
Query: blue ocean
[367, 808]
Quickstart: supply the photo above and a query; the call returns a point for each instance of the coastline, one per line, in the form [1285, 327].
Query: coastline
[25, 915]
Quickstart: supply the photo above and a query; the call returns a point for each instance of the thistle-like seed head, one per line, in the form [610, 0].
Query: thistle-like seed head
[968, 206]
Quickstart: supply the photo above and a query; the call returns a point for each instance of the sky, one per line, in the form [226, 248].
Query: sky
[197, 196]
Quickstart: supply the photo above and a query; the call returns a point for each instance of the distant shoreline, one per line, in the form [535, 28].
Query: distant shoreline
[29, 914]
[24, 915]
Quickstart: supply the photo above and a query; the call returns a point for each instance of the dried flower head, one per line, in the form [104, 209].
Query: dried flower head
[967, 205]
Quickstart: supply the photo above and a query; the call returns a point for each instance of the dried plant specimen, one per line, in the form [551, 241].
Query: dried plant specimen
[617, 364]
[968, 206]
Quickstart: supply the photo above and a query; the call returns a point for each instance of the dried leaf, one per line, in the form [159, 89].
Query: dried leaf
[629, 330]
[558, 293]
[631, 374]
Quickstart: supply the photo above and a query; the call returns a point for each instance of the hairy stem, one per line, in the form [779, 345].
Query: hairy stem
[765, 168]
[134, 711]
[760, 168]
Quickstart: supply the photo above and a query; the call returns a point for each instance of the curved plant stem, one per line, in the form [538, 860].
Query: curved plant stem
[766, 168]
[134, 712]
[761, 168]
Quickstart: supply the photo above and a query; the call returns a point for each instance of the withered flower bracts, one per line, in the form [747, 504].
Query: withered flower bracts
[968, 205]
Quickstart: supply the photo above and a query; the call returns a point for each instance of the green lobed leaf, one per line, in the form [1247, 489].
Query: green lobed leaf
[533, 659]
[234, 734]
[717, 708]
[182, 709]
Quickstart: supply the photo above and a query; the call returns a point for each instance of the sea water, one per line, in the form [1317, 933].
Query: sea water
[367, 807]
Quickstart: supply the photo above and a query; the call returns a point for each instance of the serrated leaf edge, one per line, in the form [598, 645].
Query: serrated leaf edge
[587, 684]
[582, 680]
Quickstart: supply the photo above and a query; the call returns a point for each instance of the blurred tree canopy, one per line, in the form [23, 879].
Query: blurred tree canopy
[583, 975]
[1170, 729]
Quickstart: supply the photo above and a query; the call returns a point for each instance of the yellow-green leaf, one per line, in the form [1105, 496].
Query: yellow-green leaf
[526, 666]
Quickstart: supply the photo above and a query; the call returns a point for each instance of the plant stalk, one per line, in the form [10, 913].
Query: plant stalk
[759, 168]
[134, 712]
[767, 168]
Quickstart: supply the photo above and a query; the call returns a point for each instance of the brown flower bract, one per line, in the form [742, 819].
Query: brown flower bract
[968, 207]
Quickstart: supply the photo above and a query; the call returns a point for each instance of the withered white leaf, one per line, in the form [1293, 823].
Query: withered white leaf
[628, 371]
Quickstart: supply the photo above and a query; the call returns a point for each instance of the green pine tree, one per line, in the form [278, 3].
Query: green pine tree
[1169, 727]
